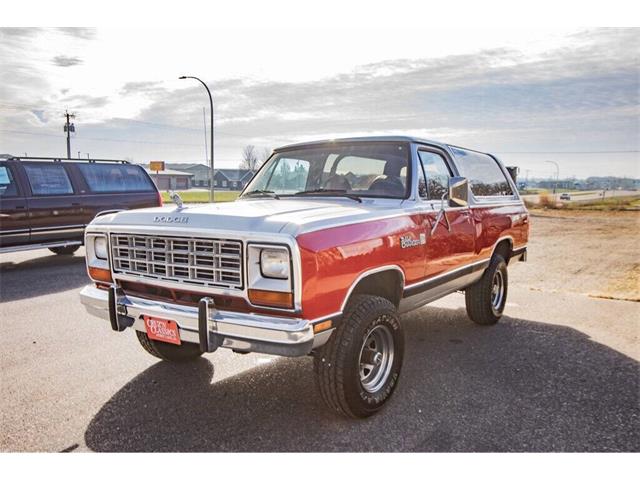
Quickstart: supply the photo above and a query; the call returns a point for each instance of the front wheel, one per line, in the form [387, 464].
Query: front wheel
[186, 352]
[485, 299]
[357, 370]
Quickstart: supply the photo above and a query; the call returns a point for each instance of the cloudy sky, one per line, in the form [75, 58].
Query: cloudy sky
[529, 95]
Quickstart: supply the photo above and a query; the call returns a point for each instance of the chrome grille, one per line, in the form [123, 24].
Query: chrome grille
[198, 261]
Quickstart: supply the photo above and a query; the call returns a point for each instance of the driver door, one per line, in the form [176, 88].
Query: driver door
[451, 245]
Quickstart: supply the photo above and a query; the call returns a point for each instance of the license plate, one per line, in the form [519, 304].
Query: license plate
[162, 330]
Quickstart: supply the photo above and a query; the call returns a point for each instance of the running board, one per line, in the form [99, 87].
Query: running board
[37, 246]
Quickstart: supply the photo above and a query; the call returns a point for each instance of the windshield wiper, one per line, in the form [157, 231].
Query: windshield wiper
[330, 193]
[267, 193]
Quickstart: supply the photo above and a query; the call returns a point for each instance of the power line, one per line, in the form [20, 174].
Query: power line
[102, 139]
[194, 131]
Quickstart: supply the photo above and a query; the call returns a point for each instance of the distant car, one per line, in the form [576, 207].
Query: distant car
[565, 196]
[47, 202]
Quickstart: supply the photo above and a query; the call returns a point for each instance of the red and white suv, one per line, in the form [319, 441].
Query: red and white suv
[322, 252]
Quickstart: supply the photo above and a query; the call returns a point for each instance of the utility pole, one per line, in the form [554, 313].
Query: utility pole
[204, 125]
[68, 128]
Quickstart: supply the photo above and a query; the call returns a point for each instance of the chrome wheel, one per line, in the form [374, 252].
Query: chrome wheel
[376, 358]
[497, 291]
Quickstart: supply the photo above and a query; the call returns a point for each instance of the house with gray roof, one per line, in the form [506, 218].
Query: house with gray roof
[231, 178]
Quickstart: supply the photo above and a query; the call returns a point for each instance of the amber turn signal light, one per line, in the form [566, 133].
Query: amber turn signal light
[100, 274]
[322, 326]
[267, 298]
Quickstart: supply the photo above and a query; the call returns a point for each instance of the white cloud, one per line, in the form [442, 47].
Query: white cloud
[490, 89]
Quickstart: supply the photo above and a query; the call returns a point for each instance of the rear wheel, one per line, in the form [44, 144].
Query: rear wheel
[357, 370]
[69, 250]
[186, 352]
[485, 299]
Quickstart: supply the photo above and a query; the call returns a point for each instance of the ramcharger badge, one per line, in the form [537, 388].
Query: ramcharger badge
[407, 241]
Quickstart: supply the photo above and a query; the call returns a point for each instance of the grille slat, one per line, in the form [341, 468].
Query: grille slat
[200, 261]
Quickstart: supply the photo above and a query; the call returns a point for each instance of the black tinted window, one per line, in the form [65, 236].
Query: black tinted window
[7, 183]
[485, 176]
[48, 179]
[436, 181]
[105, 177]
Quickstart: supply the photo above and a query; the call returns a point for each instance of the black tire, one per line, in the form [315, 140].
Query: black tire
[337, 364]
[484, 307]
[187, 352]
[70, 250]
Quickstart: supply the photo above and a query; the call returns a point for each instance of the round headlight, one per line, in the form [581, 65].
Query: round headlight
[274, 263]
[100, 248]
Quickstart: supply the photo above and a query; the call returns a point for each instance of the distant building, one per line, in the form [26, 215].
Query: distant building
[171, 179]
[224, 178]
[551, 184]
[231, 179]
[200, 174]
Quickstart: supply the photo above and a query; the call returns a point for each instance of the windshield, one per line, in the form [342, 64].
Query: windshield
[363, 169]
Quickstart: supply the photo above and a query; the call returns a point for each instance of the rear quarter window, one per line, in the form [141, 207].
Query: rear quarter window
[113, 178]
[48, 179]
[485, 176]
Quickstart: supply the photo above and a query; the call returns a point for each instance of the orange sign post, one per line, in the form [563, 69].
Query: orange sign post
[157, 167]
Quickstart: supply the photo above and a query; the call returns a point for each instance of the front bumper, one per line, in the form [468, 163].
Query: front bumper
[207, 326]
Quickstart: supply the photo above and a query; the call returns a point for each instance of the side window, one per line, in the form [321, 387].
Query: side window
[48, 179]
[8, 186]
[485, 176]
[104, 177]
[435, 182]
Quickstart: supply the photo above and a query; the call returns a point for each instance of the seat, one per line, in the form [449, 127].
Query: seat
[387, 185]
[337, 182]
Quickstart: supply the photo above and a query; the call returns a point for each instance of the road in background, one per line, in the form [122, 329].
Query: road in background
[584, 196]
[558, 373]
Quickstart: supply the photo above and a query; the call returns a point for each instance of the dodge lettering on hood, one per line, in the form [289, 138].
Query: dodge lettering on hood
[322, 252]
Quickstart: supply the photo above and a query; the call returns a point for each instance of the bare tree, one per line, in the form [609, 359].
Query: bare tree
[249, 158]
[264, 156]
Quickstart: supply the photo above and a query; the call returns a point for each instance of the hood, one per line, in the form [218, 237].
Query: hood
[290, 216]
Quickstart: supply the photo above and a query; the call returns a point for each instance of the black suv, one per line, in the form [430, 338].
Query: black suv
[47, 202]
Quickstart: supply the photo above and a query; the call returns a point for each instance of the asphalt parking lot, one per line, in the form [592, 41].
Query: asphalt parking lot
[559, 373]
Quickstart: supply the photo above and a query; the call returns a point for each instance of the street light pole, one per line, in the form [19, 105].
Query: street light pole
[211, 190]
[557, 178]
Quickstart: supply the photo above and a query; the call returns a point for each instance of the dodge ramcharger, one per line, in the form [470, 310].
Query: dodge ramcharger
[322, 252]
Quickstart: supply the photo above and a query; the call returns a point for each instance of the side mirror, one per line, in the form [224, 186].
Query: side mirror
[458, 192]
